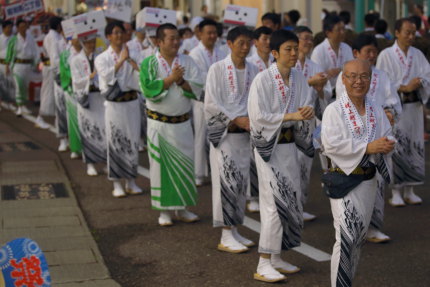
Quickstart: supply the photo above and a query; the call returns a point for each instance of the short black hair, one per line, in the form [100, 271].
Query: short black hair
[275, 18]
[280, 37]
[161, 28]
[110, 26]
[417, 20]
[399, 23]
[6, 23]
[184, 30]
[370, 19]
[19, 21]
[300, 29]
[220, 29]
[364, 39]
[345, 16]
[294, 16]
[262, 30]
[330, 21]
[236, 32]
[55, 22]
[381, 26]
[207, 22]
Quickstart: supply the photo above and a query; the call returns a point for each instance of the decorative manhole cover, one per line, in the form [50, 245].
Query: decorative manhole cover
[18, 146]
[33, 191]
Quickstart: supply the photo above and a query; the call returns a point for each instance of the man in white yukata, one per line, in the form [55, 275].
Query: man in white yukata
[192, 42]
[122, 112]
[226, 113]
[136, 48]
[6, 81]
[409, 71]
[91, 110]
[321, 95]
[54, 44]
[356, 136]
[169, 82]
[278, 99]
[21, 58]
[262, 59]
[332, 53]
[204, 55]
[383, 94]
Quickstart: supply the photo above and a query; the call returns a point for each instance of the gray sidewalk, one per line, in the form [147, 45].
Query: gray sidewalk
[37, 202]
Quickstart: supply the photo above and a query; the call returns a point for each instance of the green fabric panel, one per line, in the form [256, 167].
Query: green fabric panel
[11, 51]
[151, 145]
[73, 127]
[154, 157]
[21, 90]
[65, 72]
[152, 87]
[189, 95]
[177, 180]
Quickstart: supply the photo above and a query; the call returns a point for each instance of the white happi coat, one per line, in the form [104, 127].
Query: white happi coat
[230, 153]
[204, 60]
[188, 45]
[324, 56]
[91, 118]
[122, 119]
[277, 163]
[408, 157]
[310, 69]
[257, 61]
[344, 140]
[136, 49]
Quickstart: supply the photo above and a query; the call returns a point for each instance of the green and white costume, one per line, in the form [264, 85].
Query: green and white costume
[71, 103]
[21, 56]
[170, 136]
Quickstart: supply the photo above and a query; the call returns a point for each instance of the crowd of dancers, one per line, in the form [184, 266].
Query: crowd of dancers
[250, 111]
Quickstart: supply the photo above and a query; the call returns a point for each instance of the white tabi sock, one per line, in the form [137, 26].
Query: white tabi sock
[228, 240]
[240, 238]
[280, 264]
[266, 269]
[118, 191]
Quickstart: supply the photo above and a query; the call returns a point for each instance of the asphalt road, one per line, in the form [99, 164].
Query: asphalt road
[140, 253]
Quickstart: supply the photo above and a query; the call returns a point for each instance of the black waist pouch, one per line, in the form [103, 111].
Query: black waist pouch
[337, 184]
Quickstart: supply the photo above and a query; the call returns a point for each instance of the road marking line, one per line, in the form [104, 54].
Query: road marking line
[254, 225]
[305, 249]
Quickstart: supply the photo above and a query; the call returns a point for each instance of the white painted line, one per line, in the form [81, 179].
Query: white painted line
[305, 249]
[254, 225]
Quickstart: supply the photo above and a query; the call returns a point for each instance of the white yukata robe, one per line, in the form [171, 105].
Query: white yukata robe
[204, 60]
[122, 119]
[257, 61]
[325, 56]
[345, 135]
[230, 151]
[136, 50]
[170, 135]
[383, 94]
[253, 188]
[310, 69]
[275, 151]
[54, 44]
[408, 157]
[188, 45]
[20, 48]
[7, 88]
[91, 117]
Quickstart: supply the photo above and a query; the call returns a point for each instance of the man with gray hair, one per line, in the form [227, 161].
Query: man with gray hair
[356, 137]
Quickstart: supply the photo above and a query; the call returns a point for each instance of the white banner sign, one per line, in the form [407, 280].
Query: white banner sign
[23, 7]
[118, 9]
